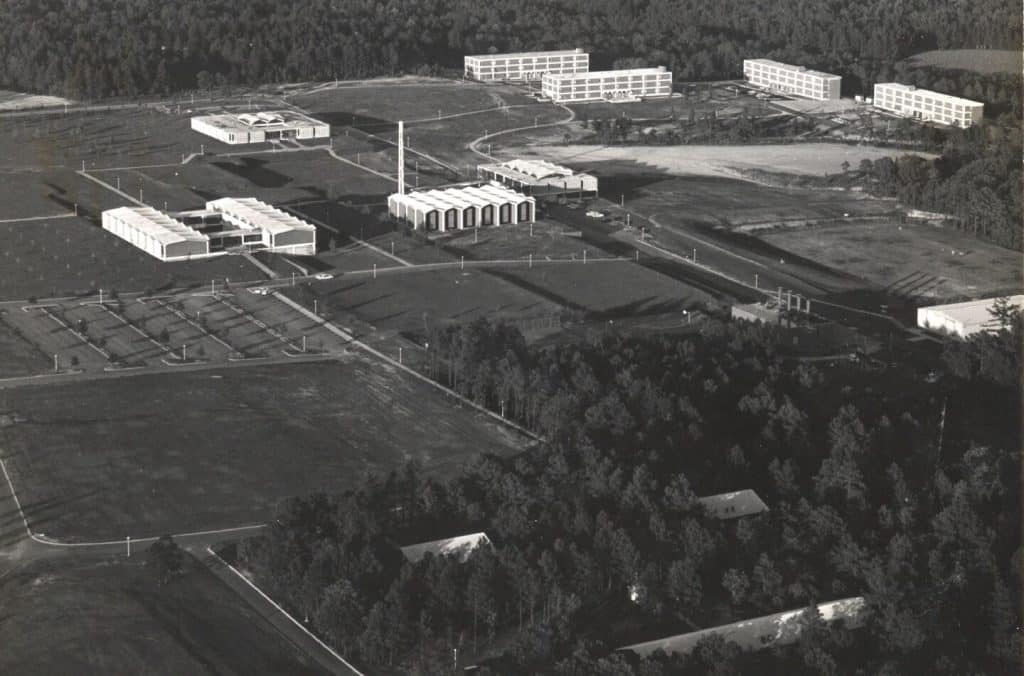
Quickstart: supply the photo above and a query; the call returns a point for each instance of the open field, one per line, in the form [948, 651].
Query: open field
[17, 100]
[110, 616]
[977, 60]
[549, 239]
[691, 160]
[18, 356]
[73, 256]
[913, 260]
[29, 195]
[193, 451]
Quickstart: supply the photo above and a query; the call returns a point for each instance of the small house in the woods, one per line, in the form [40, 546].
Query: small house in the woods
[733, 505]
[460, 547]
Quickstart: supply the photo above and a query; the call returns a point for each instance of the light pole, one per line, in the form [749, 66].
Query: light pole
[314, 308]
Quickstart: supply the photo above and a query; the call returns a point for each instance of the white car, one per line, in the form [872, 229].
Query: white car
[259, 290]
[323, 275]
[595, 214]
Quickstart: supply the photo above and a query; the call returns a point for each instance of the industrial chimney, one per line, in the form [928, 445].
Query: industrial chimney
[401, 158]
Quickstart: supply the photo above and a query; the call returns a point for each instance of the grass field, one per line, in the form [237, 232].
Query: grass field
[193, 451]
[18, 357]
[692, 160]
[976, 60]
[109, 616]
[549, 239]
[909, 259]
[73, 256]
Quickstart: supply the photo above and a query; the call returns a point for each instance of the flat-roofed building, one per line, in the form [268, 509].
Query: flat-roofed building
[460, 547]
[236, 129]
[794, 80]
[156, 233]
[963, 319]
[733, 505]
[525, 66]
[279, 231]
[928, 106]
[538, 176]
[608, 85]
[457, 208]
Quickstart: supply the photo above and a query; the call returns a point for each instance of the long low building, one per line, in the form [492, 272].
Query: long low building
[462, 207]
[237, 129]
[524, 66]
[608, 85]
[963, 319]
[795, 80]
[156, 233]
[225, 226]
[928, 106]
[537, 175]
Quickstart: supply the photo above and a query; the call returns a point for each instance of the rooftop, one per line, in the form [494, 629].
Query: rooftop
[782, 628]
[529, 169]
[460, 546]
[733, 505]
[259, 214]
[946, 97]
[788, 66]
[157, 225]
[972, 312]
[245, 122]
[515, 55]
[463, 196]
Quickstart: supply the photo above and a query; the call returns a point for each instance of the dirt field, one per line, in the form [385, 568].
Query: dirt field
[977, 60]
[909, 259]
[17, 100]
[73, 256]
[109, 616]
[804, 158]
[193, 451]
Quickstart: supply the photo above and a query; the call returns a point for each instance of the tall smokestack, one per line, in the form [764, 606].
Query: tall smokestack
[401, 157]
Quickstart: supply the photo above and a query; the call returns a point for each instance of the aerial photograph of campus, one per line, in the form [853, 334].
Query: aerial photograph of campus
[511, 337]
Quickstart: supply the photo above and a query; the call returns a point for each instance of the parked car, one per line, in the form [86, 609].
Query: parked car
[259, 290]
[323, 275]
[595, 214]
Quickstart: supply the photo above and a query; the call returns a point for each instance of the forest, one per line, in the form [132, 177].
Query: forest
[907, 495]
[98, 48]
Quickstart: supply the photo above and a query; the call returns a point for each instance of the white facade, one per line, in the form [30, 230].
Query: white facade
[281, 232]
[460, 208]
[795, 80]
[962, 319]
[525, 66]
[260, 127]
[156, 233]
[922, 104]
[608, 85]
[537, 174]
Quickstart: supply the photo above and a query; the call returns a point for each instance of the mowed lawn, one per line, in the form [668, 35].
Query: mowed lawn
[109, 616]
[74, 256]
[184, 452]
[18, 357]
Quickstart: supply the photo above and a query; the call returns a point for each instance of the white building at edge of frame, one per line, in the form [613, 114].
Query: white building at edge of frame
[462, 207]
[225, 226]
[794, 80]
[524, 66]
[926, 105]
[238, 129]
[535, 176]
[630, 84]
[963, 319]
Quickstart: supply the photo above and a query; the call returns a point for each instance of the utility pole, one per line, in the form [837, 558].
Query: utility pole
[375, 271]
[584, 256]
[56, 363]
[303, 343]
[184, 355]
[755, 280]
[128, 544]
[314, 308]
[399, 355]
[695, 255]
[293, 278]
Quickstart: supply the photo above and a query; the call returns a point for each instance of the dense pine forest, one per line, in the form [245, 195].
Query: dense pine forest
[98, 48]
[869, 494]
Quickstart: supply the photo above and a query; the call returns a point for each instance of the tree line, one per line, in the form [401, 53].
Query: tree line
[599, 540]
[134, 47]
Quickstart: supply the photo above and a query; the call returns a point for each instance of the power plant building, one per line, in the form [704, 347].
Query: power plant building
[524, 66]
[260, 127]
[608, 85]
[928, 106]
[963, 319]
[458, 208]
[226, 225]
[795, 80]
[535, 176]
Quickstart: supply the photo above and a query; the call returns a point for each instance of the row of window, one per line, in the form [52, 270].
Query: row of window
[514, 62]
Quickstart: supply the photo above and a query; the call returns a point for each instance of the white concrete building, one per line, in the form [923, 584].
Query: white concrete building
[236, 129]
[608, 85]
[524, 66]
[462, 207]
[156, 233]
[794, 80]
[278, 231]
[963, 319]
[928, 106]
[537, 176]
